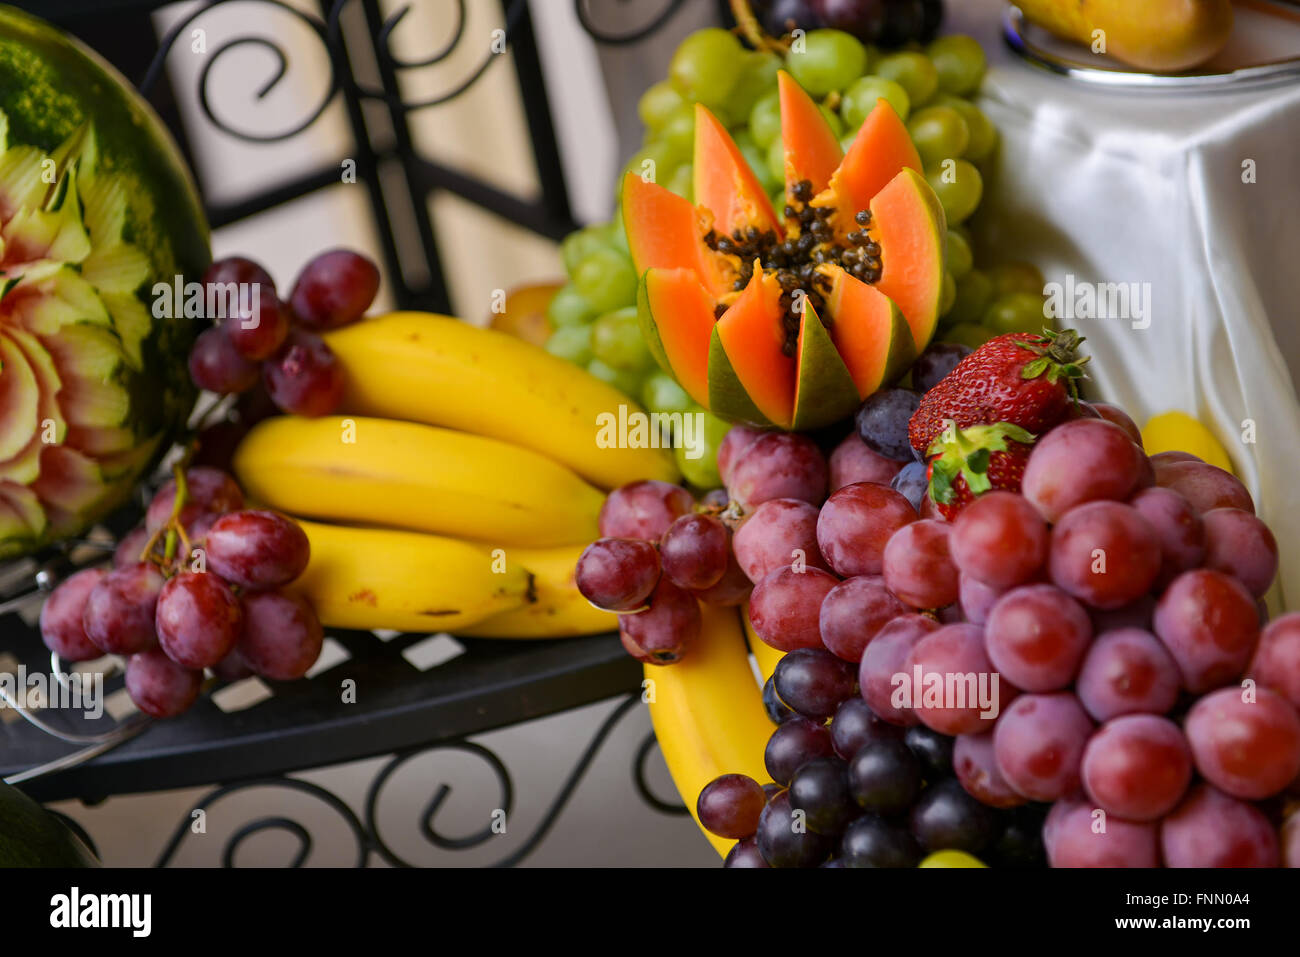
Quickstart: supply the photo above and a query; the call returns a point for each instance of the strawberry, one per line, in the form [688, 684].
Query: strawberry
[969, 462]
[1022, 378]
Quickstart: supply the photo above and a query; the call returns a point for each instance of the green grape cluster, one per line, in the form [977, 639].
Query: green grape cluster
[931, 88]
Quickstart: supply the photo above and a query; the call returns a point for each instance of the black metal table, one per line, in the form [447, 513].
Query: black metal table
[401, 710]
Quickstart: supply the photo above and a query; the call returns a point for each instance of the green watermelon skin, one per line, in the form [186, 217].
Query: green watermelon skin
[31, 836]
[52, 86]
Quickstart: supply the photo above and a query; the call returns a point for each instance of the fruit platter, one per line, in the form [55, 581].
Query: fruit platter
[796, 451]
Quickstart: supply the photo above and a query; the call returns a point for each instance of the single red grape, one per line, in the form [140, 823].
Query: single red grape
[1248, 747]
[1137, 767]
[198, 619]
[257, 548]
[335, 288]
[119, 612]
[918, 567]
[643, 509]
[785, 607]
[1127, 671]
[1000, 540]
[617, 574]
[1212, 829]
[853, 612]
[216, 365]
[282, 636]
[304, 377]
[159, 686]
[61, 624]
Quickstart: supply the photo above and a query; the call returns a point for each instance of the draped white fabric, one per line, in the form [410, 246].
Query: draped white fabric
[1126, 187]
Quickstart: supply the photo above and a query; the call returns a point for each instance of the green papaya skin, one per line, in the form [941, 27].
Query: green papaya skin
[31, 836]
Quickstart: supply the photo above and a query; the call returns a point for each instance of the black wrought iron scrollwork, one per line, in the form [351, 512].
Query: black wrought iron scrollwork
[643, 786]
[330, 33]
[365, 828]
[636, 35]
[273, 823]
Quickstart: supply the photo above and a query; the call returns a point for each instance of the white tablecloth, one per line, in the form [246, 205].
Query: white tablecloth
[1126, 187]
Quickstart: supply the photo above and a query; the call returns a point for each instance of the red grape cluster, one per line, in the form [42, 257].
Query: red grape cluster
[658, 556]
[198, 585]
[1085, 641]
[282, 348]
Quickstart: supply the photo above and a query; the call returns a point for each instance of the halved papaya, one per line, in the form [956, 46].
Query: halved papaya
[757, 374]
[824, 390]
[811, 150]
[676, 314]
[869, 331]
[908, 223]
[664, 232]
[881, 148]
[723, 182]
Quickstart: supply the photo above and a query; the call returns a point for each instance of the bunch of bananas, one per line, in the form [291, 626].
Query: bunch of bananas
[456, 487]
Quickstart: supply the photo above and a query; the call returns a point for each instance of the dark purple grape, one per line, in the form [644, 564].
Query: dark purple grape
[945, 817]
[198, 619]
[865, 19]
[159, 686]
[282, 636]
[62, 627]
[776, 709]
[745, 854]
[931, 20]
[820, 788]
[119, 612]
[933, 749]
[257, 548]
[779, 17]
[813, 681]
[784, 840]
[792, 745]
[912, 483]
[695, 550]
[871, 841]
[729, 806]
[935, 362]
[905, 21]
[617, 574]
[885, 777]
[855, 725]
[1020, 845]
[304, 377]
[334, 289]
[882, 422]
[216, 365]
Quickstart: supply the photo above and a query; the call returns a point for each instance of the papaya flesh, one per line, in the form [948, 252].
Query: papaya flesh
[723, 182]
[769, 359]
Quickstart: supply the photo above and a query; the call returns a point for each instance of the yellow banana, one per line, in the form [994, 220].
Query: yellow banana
[764, 654]
[379, 578]
[708, 712]
[559, 611]
[434, 369]
[407, 475]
